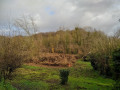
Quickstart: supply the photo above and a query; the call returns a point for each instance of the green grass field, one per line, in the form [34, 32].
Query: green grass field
[82, 77]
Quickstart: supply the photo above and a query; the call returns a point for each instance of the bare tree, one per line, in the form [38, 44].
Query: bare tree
[27, 23]
[117, 34]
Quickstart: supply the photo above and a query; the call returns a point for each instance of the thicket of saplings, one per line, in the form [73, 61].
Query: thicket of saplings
[97, 46]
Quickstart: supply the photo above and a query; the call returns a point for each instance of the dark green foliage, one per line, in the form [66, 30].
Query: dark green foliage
[116, 68]
[94, 64]
[101, 63]
[93, 61]
[0, 77]
[64, 76]
[116, 63]
[117, 85]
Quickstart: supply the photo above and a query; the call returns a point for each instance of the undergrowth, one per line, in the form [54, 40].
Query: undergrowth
[82, 76]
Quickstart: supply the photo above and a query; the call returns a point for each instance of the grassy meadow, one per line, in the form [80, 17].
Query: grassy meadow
[82, 77]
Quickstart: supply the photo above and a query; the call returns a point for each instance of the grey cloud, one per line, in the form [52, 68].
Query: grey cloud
[99, 14]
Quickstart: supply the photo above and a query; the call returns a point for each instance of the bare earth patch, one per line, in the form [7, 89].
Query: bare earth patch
[53, 60]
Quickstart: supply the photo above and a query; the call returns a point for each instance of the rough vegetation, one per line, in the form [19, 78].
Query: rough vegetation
[10, 55]
[61, 48]
[81, 76]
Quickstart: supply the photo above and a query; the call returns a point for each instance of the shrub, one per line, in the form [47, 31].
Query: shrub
[93, 61]
[64, 76]
[116, 68]
[101, 63]
[116, 64]
[10, 56]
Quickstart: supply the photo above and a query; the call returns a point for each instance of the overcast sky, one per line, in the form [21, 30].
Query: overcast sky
[49, 15]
